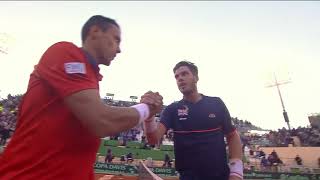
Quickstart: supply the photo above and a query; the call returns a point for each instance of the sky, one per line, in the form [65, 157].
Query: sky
[238, 47]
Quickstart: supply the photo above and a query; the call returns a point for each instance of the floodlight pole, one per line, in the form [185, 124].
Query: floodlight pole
[285, 114]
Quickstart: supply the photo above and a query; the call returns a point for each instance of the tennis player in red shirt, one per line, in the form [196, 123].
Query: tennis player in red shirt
[62, 117]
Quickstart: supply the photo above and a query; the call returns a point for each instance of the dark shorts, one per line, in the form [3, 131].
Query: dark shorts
[192, 176]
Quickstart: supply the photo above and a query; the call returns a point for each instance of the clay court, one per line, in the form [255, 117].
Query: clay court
[121, 177]
[97, 176]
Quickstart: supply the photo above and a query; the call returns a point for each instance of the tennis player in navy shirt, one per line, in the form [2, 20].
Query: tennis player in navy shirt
[200, 123]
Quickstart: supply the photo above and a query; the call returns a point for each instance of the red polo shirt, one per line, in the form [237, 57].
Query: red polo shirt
[49, 141]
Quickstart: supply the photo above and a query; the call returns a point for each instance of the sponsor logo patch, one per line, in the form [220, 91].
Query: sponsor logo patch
[74, 68]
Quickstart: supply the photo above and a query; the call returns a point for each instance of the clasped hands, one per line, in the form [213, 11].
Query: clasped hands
[154, 101]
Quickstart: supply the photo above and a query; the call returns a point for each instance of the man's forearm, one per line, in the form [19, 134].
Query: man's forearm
[152, 138]
[235, 147]
[150, 128]
[235, 156]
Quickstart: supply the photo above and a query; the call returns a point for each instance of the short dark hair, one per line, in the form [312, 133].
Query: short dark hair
[97, 20]
[193, 68]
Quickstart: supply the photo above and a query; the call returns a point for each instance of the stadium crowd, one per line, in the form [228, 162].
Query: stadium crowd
[308, 136]
[8, 116]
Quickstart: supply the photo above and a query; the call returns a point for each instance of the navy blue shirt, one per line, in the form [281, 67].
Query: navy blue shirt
[199, 130]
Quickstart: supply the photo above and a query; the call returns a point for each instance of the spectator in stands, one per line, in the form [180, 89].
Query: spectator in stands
[122, 158]
[274, 154]
[4, 132]
[129, 157]
[307, 136]
[167, 162]
[274, 160]
[200, 124]
[251, 152]
[170, 134]
[271, 158]
[264, 163]
[124, 140]
[298, 160]
[144, 142]
[109, 156]
[245, 142]
[62, 113]
[261, 153]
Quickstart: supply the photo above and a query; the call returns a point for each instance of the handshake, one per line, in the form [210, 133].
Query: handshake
[154, 102]
[150, 104]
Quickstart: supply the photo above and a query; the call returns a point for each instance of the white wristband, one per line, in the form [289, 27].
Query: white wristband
[143, 110]
[236, 168]
[150, 125]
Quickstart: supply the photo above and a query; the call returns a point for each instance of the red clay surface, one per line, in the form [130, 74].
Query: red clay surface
[121, 177]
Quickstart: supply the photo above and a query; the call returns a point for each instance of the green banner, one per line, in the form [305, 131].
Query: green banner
[162, 171]
[115, 168]
[130, 170]
[280, 176]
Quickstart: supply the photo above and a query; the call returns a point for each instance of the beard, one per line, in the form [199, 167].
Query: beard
[186, 91]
